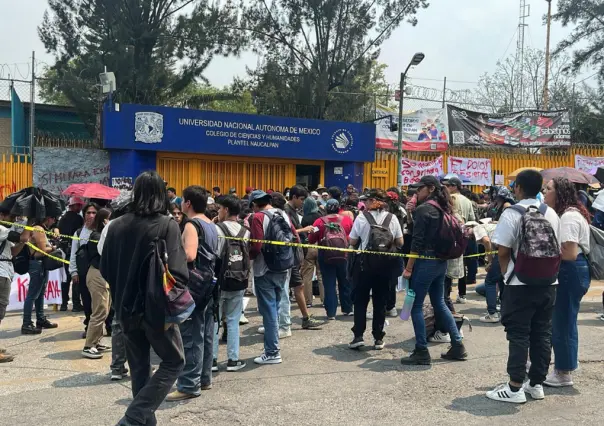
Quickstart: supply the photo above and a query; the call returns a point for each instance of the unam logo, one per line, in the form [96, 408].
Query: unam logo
[148, 127]
[342, 141]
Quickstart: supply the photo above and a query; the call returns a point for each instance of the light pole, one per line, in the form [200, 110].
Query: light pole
[417, 59]
[547, 57]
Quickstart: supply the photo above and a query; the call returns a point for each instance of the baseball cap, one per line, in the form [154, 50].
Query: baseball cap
[258, 195]
[314, 194]
[232, 190]
[428, 180]
[454, 181]
[75, 200]
[332, 205]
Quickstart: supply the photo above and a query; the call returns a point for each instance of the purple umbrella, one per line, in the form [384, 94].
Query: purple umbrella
[572, 174]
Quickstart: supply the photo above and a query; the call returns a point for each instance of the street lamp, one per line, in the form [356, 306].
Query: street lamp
[416, 60]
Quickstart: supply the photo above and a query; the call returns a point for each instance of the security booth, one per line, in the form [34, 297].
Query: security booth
[228, 150]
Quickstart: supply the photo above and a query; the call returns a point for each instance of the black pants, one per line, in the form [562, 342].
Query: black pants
[470, 267]
[148, 390]
[365, 282]
[448, 290]
[526, 313]
[65, 290]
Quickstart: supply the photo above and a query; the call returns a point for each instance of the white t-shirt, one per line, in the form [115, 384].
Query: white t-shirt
[234, 229]
[6, 266]
[361, 228]
[101, 242]
[574, 228]
[507, 233]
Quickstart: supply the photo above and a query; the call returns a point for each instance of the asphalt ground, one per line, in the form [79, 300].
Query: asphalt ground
[321, 381]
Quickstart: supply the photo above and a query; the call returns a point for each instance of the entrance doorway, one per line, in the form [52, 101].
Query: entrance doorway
[308, 176]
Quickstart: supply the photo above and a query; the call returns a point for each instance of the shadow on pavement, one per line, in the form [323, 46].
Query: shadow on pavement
[63, 337]
[344, 354]
[82, 380]
[66, 355]
[481, 406]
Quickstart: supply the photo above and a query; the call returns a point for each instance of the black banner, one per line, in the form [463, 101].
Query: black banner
[528, 128]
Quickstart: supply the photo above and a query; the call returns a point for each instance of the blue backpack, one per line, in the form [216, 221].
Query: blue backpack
[278, 258]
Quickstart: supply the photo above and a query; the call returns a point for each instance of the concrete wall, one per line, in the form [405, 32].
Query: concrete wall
[57, 168]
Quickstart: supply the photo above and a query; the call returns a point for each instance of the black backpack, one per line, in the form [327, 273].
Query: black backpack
[234, 261]
[82, 260]
[202, 284]
[380, 240]
[278, 258]
[21, 262]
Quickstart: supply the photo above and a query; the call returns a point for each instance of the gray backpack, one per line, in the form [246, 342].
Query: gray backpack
[596, 253]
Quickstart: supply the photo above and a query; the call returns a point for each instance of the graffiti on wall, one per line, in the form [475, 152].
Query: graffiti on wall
[6, 190]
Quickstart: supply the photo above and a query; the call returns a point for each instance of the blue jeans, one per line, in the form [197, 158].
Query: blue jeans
[493, 279]
[198, 340]
[270, 290]
[573, 283]
[330, 274]
[231, 306]
[285, 306]
[38, 280]
[429, 278]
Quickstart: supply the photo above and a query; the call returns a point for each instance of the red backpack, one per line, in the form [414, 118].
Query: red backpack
[452, 239]
[334, 237]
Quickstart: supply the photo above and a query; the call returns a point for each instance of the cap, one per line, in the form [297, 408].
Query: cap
[232, 190]
[75, 200]
[332, 205]
[454, 181]
[248, 189]
[314, 194]
[428, 180]
[258, 195]
[504, 193]
[210, 201]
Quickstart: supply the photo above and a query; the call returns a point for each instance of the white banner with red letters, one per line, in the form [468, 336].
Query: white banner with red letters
[413, 170]
[587, 164]
[20, 285]
[475, 171]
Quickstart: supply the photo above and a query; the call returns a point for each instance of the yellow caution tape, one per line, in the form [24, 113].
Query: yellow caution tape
[52, 234]
[58, 259]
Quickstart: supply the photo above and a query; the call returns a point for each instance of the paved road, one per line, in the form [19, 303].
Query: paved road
[321, 382]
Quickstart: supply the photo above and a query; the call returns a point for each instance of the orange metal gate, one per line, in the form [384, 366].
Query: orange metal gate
[16, 174]
[182, 170]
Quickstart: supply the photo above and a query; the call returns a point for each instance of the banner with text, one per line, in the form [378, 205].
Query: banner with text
[528, 128]
[423, 130]
[413, 170]
[20, 285]
[587, 164]
[476, 170]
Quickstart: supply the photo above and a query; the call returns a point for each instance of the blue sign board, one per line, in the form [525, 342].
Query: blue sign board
[156, 128]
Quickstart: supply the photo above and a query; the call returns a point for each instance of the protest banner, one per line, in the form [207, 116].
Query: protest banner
[529, 128]
[587, 164]
[423, 130]
[20, 285]
[412, 170]
[476, 170]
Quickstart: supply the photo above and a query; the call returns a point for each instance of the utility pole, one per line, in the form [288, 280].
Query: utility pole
[518, 100]
[32, 107]
[547, 57]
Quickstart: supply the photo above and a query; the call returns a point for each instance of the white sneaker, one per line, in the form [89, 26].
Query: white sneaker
[491, 318]
[392, 313]
[536, 392]
[283, 333]
[261, 330]
[265, 359]
[439, 337]
[243, 320]
[461, 299]
[91, 353]
[601, 317]
[504, 393]
[557, 380]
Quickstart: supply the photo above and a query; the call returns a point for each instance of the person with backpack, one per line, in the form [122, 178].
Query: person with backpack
[125, 264]
[200, 240]
[79, 263]
[272, 265]
[332, 232]
[232, 270]
[375, 230]
[573, 281]
[69, 223]
[38, 278]
[437, 237]
[527, 237]
[310, 266]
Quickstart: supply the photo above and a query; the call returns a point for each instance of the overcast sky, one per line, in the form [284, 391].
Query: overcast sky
[461, 40]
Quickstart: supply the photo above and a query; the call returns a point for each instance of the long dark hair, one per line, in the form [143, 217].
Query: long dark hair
[442, 196]
[567, 197]
[149, 195]
[99, 219]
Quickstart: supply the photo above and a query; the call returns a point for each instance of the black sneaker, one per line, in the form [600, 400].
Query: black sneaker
[312, 324]
[63, 308]
[379, 345]
[30, 329]
[215, 365]
[46, 324]
[456, 353]
[417, 357]
[357, 343]
[235, 365]
[109, 332]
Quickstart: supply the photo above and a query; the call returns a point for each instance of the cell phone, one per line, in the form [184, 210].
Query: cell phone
[315, 229]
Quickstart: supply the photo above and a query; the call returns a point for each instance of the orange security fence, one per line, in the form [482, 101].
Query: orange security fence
[382, 172]
[16, 173]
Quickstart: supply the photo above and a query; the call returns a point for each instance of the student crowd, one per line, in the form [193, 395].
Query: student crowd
[201, 252]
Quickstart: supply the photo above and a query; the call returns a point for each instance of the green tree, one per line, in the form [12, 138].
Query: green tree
[236, 98]
[313, 49]
[152, 46]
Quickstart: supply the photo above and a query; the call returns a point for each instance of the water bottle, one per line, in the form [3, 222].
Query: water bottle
[407, 305]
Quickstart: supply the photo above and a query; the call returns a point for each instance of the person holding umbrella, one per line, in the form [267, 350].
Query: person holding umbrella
[38, 278]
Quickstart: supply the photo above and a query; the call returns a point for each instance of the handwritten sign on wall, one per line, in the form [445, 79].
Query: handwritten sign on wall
[476, 170]
[413, 170]
[57, 168]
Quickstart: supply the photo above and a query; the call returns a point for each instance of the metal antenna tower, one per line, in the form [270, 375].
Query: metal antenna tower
[525, 12]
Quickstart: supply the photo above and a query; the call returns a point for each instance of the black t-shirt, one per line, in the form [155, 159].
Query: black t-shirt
[70, 223]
